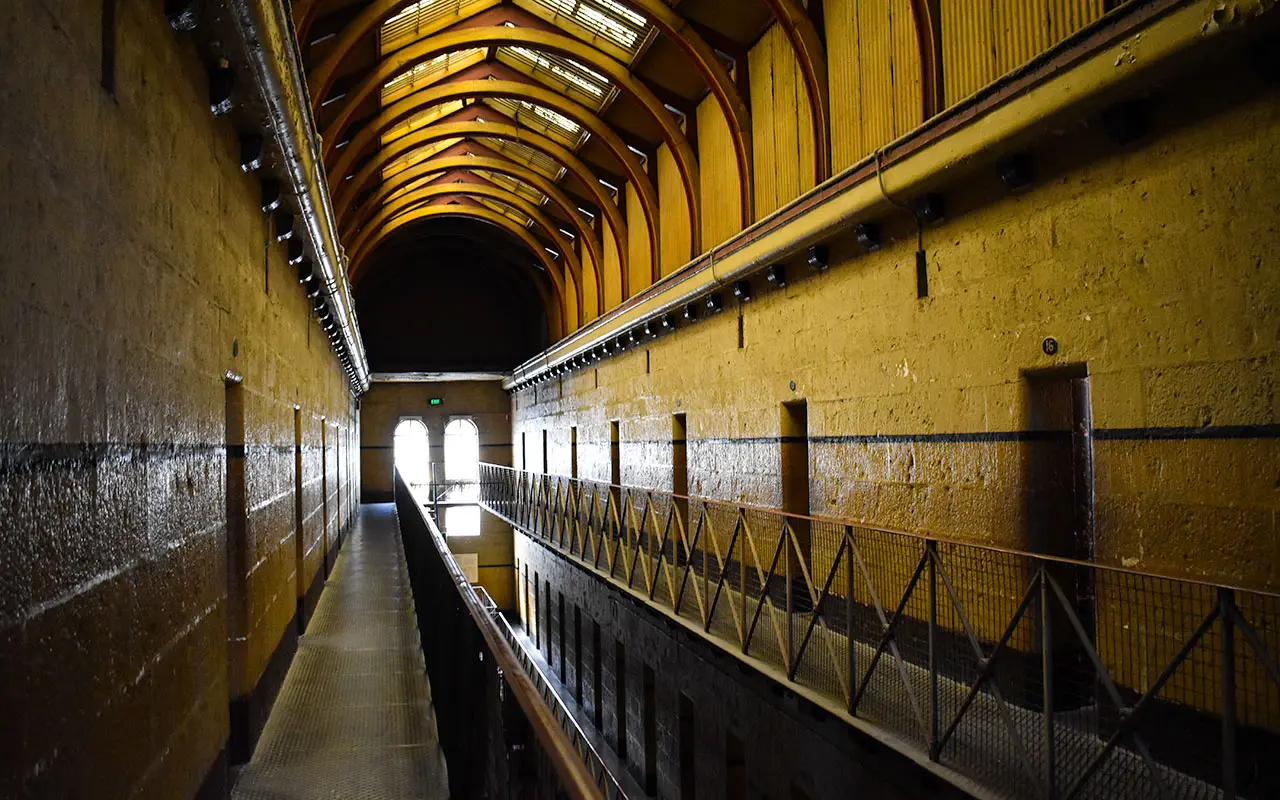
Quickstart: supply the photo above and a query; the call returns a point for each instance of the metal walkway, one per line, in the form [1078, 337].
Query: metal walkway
[354, 718]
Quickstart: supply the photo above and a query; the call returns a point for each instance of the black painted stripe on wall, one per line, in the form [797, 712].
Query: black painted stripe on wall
[988, 437]
[432, 446]
[46, 456]
[20, 456]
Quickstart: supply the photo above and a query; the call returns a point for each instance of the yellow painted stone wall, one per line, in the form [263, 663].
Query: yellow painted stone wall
[1153, 267]
[137, 269]
[1150, 266]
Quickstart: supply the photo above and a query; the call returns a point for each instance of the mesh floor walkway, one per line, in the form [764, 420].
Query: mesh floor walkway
[354, 718]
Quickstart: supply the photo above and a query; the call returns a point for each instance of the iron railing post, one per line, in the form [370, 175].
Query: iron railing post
[786, 569]
[1227, 603]
[848, 624]
[935, 733]
[1046, 682]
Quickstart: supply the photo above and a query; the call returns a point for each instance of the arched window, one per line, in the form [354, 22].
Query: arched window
[413, 451]
[461, 451]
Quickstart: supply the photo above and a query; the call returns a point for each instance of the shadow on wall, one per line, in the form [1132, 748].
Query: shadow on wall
[431, 300]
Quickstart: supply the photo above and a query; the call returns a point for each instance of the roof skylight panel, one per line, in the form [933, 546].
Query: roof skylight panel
[422, 19]
[427, 72]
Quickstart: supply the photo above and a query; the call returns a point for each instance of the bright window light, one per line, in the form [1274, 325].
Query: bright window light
[413, 452]
[461, 451]
[461, 521]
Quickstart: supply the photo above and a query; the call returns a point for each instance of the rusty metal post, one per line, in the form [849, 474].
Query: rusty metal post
[1227, 609]
[1046, 667]
[848, 624]
[787, 570]
[935, 733]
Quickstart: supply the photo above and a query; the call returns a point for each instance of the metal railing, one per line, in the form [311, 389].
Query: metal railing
[600, 772]
[499, 736]
[1029, 675]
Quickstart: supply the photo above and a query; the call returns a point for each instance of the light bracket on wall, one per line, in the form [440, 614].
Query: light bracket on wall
[691, 312]
[742, 290]
[867, 235]
[776, 275]
[1126, 122]
[715, 302]
[931, 209]
[818, 258]
[285, 226]
[183, 15]
[271, 196]
[296, 252]
[222, 83]
[1016, 172]
[250, 152]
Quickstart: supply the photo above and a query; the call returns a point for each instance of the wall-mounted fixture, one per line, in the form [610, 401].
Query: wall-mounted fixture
[931, 209]
[312, 287]
[284, 226]
[271, 197]
[669, 322]
[742, 290]
[222, 83]
[1016, 172]
[306, 270]
[867, 235]
[250, 152]
[183, 15]
[776, 275]
[715, 302]
[818, 258]
[691, 312]
[296, 252]
[1126, 122]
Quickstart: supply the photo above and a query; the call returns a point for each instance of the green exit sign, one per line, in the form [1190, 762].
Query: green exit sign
[435, 401]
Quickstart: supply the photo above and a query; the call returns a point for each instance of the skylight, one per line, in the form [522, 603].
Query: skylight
[420, 120]
[421, 19]
[523, 154]
[416, 156]
[427, 72]
[515, 185]
[606, 19]
[541, 119]
[411, 186]
[503, 208]
[580, 82]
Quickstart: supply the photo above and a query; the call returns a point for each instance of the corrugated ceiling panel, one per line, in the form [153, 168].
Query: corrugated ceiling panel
[638, 248]
[591, 307]
[720, 190]
[760, 73]
[984, 39]
[612, 269]
[875, 26]
[673, 207]
[783, 132]
[908, 81]
[845, 79]
[424, 18]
